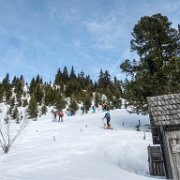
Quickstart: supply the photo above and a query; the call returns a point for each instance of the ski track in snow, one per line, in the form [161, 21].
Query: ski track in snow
[79, 149]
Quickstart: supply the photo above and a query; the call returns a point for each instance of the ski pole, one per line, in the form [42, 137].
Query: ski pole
[104, 124]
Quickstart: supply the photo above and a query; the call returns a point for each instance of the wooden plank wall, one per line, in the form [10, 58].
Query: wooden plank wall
[156, 166]
[173, 143]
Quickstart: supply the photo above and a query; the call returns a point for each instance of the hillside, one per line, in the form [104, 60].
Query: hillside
[79, 149]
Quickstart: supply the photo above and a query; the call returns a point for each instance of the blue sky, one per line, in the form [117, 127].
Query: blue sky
[40, 36]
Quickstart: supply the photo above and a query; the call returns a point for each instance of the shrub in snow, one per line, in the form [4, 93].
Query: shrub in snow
[6, 139]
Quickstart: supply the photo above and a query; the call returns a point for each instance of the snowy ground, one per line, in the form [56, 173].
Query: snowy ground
[79, 149]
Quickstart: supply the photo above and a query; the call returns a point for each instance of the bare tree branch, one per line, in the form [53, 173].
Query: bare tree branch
[5, 138]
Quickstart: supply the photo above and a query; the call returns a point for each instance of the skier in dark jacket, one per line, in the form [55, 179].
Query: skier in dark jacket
[54, 115]
[108, 118]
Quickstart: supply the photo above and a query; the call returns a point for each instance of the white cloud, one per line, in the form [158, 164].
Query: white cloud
[107, 32]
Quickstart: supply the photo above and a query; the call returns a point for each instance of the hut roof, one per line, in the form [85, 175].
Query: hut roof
[165, 109]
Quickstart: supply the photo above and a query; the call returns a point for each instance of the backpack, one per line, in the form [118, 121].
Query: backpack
[107, 115]
[61, 113]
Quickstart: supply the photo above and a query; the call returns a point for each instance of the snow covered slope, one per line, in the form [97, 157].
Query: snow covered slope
[79, 149]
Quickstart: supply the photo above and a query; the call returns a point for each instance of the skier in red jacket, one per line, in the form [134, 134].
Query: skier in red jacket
[60, 114]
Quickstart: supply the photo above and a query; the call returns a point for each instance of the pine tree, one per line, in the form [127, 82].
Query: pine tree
[59, 102]
[71, 88]
[65, 75]
[32, 86]
[104, 85]
[117, 89]
[156, 43]
[33, 108]
[59, 78]
[72, 74]
[12, 102]
[97, 99]
[25, 103]
[8, 95]
[87, 102]
[36, 88]
[14, 81]
[18, 88]
[43, 110]
[116, 103]
[7, 88]
[15, 115]
[73, 105]
[1, 93]
[39, 94]
[49, 95]
[12, 105]
[6, 81]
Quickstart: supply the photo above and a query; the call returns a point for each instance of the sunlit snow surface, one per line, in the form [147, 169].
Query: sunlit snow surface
[79, 149]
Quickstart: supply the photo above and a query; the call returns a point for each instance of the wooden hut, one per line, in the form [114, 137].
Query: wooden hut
[164, 114]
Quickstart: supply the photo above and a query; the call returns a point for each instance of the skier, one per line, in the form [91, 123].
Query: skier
[60, 114]
[93, 109]
[54, 115]
[108, 118]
